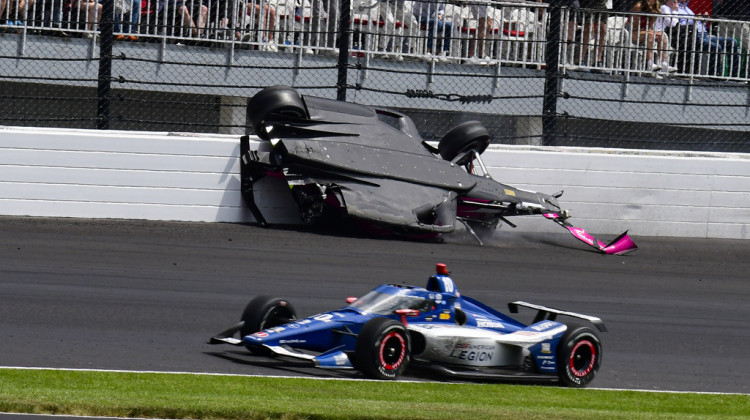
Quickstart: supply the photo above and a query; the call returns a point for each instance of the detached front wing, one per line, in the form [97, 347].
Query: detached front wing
[621, 245]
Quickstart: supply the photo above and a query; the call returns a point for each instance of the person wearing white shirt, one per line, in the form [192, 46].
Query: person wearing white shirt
[669, 8]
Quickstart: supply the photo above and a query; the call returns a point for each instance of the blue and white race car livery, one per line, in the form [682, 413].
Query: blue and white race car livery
[393, 326]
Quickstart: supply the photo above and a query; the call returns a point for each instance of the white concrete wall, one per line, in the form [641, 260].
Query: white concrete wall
[650, 193]
[172, 176]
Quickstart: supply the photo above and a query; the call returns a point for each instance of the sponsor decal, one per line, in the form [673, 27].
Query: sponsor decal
[582, 235]
[510, 192]
[277, 329]
[545, 357]
[544, 326]
[260, 334]
[445, 316]
[546, 348]
[472, 355]
[462, 346]
[295, 341]
[485, 323]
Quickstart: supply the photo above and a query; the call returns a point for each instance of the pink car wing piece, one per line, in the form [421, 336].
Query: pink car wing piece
[619, 246]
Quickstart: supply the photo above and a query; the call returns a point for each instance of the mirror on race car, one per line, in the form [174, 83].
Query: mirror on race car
[403, 313]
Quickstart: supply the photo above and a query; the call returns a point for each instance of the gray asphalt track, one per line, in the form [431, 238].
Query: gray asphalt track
[147, 295]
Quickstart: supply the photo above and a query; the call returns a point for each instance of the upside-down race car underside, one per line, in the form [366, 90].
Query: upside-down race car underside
[371, 165]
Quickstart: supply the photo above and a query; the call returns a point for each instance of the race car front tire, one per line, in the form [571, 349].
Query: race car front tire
[279, 101]
[383, 349]
[264, 312]
[579, 356]
[463, 137]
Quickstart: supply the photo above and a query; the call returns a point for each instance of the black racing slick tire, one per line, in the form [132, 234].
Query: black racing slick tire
[278, 102]
[264, 312]
[463, 137]
[579, 355]
[383, 349]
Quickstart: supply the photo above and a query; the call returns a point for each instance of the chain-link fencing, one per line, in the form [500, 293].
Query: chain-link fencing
[569, 72]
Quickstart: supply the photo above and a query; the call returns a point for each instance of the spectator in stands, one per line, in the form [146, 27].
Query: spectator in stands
[88, 11]
[51, 14]
[180, 15]
[127, 14]
[264, 16]
[595, 22]
[568, 15]
[647, 30]
[219, 12]
[669, 23]
[14, 11]
[396, 18]
[3, 15]
[193, 16]
[324, 17]
[738, 11]
[430, 15]
[477, 51]
[719, 48]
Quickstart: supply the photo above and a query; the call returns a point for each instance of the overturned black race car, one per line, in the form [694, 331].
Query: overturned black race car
[371, 165]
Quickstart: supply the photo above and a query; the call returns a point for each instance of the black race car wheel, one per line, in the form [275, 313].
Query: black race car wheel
[579, 356]
[264, 312]
[276, 101]
[465, 136]
[382, 349]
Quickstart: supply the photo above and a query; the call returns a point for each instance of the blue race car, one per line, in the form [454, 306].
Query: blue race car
[395, 325]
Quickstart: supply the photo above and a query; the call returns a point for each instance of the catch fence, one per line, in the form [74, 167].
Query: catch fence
[534, 73]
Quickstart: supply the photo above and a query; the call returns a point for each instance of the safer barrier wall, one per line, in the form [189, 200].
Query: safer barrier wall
[187, 177]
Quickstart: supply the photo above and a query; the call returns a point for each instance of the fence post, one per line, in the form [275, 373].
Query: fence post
[551, 61]
[106, 27]
[345, 17]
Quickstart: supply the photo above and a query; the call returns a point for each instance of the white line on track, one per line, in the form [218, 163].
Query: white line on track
[333, 379]
[67, 416]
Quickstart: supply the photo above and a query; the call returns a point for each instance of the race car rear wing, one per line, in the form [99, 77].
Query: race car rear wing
[551, 314]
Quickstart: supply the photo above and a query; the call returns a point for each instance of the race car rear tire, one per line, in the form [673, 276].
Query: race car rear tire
[579, 356]
[279, 101]
[382, 349]
[463, 137]
[264, 312]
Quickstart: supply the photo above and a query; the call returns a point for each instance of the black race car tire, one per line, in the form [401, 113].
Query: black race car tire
[579, 355]
[383, 349]
[264, 312]
[465, 136]
[281, 101]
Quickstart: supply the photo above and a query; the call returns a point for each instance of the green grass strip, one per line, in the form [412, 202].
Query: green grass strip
[183, 396]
